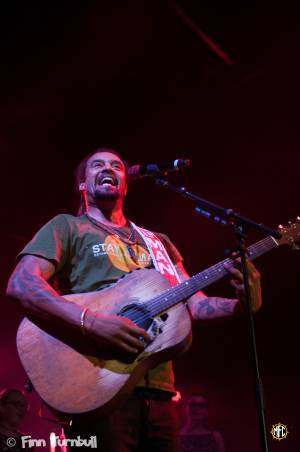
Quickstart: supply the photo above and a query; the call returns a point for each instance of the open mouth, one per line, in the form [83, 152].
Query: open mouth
[107, 181]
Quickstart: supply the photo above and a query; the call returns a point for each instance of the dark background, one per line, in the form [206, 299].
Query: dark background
[131, 75]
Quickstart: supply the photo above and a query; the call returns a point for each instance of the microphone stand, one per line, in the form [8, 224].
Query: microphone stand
[240, 227]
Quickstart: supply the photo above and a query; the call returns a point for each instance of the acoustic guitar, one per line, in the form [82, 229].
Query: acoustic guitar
[73, 383]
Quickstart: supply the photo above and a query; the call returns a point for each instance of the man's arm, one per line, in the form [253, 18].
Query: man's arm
[203, 307]
[29, 284]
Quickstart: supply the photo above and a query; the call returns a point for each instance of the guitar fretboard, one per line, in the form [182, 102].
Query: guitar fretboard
[203, 279]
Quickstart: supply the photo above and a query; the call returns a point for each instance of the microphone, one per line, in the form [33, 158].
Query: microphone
[157, 169]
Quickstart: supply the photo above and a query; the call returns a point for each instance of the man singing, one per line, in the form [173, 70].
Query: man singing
[90, 252]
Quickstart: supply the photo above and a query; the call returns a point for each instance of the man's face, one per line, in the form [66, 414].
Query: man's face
[198, 408]
[105, 177]
[14, 408]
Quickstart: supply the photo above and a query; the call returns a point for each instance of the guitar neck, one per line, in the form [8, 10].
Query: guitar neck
[203, 279]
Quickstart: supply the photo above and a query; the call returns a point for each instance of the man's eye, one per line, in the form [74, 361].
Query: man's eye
[118, 166]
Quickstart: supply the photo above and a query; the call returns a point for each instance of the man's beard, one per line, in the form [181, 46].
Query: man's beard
[106, 196]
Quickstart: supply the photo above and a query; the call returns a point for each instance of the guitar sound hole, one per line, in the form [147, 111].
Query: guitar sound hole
[138, 314]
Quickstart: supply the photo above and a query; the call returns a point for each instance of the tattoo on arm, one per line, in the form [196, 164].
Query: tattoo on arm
[31, 287]
[214, 307]
[205, 308]
[29, 284]
[226, 305]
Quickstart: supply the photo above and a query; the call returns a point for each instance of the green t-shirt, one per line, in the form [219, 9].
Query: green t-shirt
[88, 258]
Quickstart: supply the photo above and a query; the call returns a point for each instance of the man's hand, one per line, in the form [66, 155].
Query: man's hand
[112, 332]
[238, 282]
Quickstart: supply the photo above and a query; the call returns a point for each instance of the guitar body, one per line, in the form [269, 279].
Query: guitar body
[73, 383]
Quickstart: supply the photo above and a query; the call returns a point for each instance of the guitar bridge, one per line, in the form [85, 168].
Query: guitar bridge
[156, 326]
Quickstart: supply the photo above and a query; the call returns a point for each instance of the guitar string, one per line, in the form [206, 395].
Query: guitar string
[210, 275]
[256, 250]
[181, 288]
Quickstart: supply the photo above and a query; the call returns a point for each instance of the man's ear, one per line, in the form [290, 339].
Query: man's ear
[82, 186]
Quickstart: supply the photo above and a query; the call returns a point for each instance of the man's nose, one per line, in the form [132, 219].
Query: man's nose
[107, 166]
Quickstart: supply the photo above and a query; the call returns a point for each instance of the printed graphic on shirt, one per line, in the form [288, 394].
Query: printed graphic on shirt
[124, 257]
[160, 257]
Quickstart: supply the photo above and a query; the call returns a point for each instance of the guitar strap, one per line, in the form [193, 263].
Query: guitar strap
[160, 258]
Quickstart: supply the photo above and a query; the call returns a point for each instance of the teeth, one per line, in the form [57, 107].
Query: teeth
[107, 180]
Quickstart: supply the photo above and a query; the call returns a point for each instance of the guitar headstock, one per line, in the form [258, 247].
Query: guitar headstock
[290, 234]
